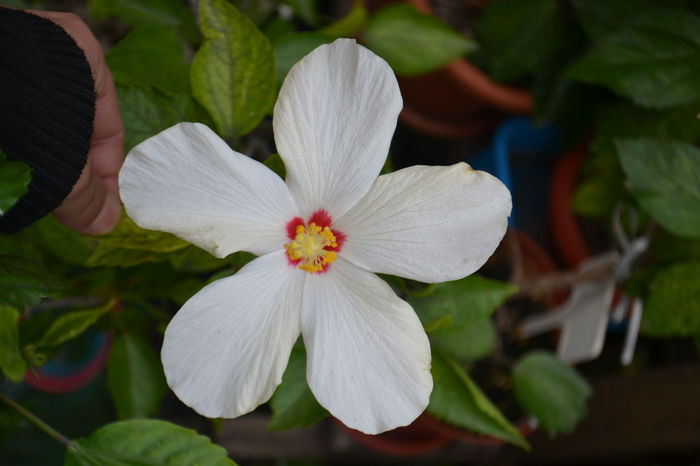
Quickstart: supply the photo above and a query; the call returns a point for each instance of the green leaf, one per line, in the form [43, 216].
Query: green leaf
[293, 404]
[195, 260]
[183, 290]
[456, 399]
[145, 442]
[350, 24]
[516, 37]
[412, 42]
[151, 56]
[467, 342]
[596, 198]
[11, 361]
[673, 307]
[468, 300]
[128, 234]
[233, 72]
[14, 179]
[128, 245]
[307, 10]
[274, 162]
[551, 391]
[456, 315]
[667, 248]
[72, 324]
[67, 245]
[148, 111]
[172, 13]
[665, 179]
[135, 378]
[654, 60]
[291, 48]
[600, 18]
[23, 278]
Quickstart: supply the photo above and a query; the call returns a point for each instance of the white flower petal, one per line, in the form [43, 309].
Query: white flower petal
[368, 355]
[430, 224]
[333, 123]
[225, 351]
[187, 181]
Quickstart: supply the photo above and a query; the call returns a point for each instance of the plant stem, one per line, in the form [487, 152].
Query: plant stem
[50, 431]
[78, 301]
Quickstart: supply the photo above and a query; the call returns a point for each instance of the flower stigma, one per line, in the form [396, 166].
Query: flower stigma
[312, 248]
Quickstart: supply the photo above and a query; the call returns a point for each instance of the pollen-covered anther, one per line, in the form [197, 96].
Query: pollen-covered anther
[309, 247]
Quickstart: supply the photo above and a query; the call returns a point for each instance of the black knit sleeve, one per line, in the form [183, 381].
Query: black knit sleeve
[47, 107]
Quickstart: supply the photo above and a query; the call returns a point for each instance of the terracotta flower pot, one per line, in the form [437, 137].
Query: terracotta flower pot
[458, 100]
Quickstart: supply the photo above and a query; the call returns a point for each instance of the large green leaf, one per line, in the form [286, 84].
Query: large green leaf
[14, 179]
[515, 37]
[551, 391]
[456, 399]
[664, 176]
[23, 278]
[233, 72]
[11, 361]
[147, 111]
[293, 404]
[135, 378]
[172, 13]
[414, 43]
[151, 56]
[673, 307]
[145, 442]
[72, 324]
[654, 60]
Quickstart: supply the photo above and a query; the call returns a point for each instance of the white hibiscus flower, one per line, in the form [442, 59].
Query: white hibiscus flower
[320, 238]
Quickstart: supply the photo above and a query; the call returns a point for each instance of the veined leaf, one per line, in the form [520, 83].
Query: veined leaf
[654, 59]
[135, 378]
[23, 278]
[151, 56]
[551, 391]
[148, 111]
[456, 399]
[11, 361]
[233, 72]
[145, 442]
[293, 404]
[172, 13]
[291, 48]
[414, 43]
[673, 307]
[72, 324]
[665, 178]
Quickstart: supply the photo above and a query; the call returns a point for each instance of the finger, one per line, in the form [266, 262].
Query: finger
[91, 207]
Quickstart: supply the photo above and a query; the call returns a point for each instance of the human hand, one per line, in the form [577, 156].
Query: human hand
[93, 206]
